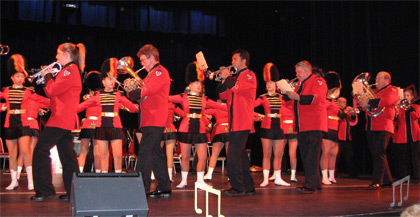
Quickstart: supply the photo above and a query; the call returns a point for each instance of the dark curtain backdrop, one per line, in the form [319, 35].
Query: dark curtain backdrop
[347, 37]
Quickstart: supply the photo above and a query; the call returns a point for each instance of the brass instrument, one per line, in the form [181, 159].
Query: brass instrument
[216, 75]
[361, 81]
[86, 96]
[293, 83]
[130, 84]
[4, 49]
[38, 75]
[405, 104]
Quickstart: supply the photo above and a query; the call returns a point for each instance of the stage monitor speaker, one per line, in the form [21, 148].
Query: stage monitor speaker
[108, 194]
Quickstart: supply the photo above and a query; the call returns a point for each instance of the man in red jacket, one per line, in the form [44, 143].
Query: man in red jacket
[240, 93]
[153, 98]
[311, 121]
[380, 128]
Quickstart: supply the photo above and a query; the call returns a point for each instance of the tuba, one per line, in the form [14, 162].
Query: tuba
[124, 66]
[361, 88]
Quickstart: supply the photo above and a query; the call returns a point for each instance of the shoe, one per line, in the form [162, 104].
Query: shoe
[387, 185]
[333, 181]
[250, 193]
[293, 180]
[41, 198]
[264, 184]
[281, 182]
[233, 192]
[11, 187]
[326, 182]
[207, 177]
[182, 185]
[159, 193]
[305, 190]
[64, 197]
[374, 187]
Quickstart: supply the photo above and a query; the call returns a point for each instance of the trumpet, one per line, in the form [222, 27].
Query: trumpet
[216, 75]
[38, 75]
[405, 104]
[4, 49]
[293, 83]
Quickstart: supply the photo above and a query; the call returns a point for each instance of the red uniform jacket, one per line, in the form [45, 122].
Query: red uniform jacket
[310, 112]
[96, 102]
[153, 97]
[19, 99]
[222, 120]
[344, 125]
[332, 114]
[172, 109]
[92, 116]
[386, 97]
[272, 105]
[33, 109]
[185, 103]
[240, 93]
[407, 125]
[287, 123]
[64, 93]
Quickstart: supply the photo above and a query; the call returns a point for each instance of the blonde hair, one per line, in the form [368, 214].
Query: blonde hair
[77, 53]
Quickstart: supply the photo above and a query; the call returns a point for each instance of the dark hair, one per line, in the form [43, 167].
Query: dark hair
[244, 54]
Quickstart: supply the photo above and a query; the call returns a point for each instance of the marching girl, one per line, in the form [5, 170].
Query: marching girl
[17, 130]
[272, 136]
[87, 132]
[169, 136]
[34, 109]
[192, 128]
[407, 135]
[330, 139]
[219, 135]
[109, 127]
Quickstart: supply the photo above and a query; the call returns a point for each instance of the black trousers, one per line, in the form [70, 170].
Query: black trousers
[151, 157]
[345, 151]
[238, 163]
[414, 154]
[378, 142]
[310, 151]
[398, 159]
[41, 161]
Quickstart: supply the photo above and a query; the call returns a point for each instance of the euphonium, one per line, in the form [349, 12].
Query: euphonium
[216, 75]
[129, 84]
[363, 79]
[38, 76]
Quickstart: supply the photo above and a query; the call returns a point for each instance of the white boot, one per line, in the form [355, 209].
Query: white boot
[81, 169]
[97, 171]
[19, 171]
[118, 171]
[152, 177]
[200, 180]
[332, 176]
[183, 183]
[170, 174]
[278, 180]
[265, 182]
[14, 184]
[325, 180]
[293, 176]
[209, 174]
[30, 178]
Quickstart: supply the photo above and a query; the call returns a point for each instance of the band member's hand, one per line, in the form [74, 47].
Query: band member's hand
[45, 72]
[3, 107]
[397, 111]
[42, 112]
[363, 101]
[293, 95]
[224, 73]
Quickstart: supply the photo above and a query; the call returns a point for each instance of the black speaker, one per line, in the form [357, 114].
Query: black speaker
[108, 194]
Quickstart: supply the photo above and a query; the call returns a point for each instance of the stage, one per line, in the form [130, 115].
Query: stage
[349, 197]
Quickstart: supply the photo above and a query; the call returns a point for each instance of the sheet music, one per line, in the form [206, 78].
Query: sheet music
[201, 61]
[284, 86]
[357, 87]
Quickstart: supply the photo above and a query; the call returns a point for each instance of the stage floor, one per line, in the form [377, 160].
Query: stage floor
[349, 197]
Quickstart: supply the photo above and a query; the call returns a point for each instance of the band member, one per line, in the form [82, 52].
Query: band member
[272, 136]
[348, 118]
[192, 130]
[17, 130]
[153, 99]
[311, 122]
[64, 93]
[169, 136]
[239, 93]
[109, 128]
[219, 136]
[330, 138]
[87, 132]
[380, 128]
[407, 135]
[34, 109]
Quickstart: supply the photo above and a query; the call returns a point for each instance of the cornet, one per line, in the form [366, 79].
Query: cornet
[4, 50]
[293, 83]
[38, 76]
[216, 75]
